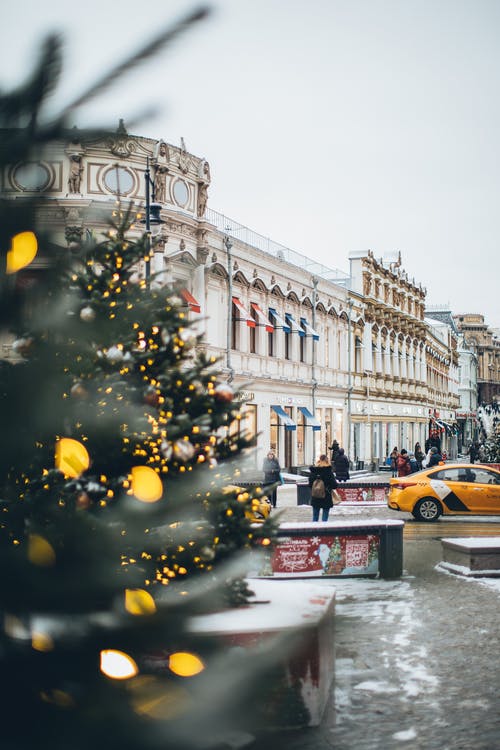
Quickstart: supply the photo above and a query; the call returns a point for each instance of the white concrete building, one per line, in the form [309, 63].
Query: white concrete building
[315, 354]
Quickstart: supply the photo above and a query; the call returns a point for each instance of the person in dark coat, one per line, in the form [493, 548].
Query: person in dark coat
[272, 474]
[435, 457]
[334, 449]
[419, 455]
[341, 466]
[322, 470]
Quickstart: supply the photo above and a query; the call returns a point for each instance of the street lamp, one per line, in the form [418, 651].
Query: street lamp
[228, 245]
[153, 220]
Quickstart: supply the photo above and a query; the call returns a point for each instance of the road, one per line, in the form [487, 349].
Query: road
[417, 663]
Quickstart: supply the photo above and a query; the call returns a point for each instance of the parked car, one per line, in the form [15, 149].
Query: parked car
[259, 508]
[449, 489]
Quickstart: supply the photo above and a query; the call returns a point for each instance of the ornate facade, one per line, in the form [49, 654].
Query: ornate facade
[316, 355]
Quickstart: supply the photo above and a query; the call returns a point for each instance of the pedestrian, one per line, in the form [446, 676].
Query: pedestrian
[419, 455]
[473, 452]
[413, 462]
[341, 466]
[272, 474]
[403, 463]
[321, 491]
[434, 458]
[394, 457]
[334, 448]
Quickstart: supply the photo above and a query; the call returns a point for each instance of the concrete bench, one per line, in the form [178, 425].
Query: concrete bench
[292, 612]
[472, 556]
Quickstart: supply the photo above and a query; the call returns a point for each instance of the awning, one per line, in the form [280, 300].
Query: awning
[284, 418]
[311, 420]
[279, 321]
[243, 313]
[262, 318]
[294, 325]
[190, 301]
[309, 329]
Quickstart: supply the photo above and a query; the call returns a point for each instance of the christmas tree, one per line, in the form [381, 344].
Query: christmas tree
[121, 513]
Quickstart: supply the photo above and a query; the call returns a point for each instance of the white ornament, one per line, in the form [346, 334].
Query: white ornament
[87, 314]
[184, 450]
[114, 354]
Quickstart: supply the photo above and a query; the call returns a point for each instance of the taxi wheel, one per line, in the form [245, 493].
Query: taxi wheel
[427, 509]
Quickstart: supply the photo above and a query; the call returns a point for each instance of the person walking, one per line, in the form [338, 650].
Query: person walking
[403, 463]
[322, 482]
[419, 455]
[334, 448]
[341, 466]
[272, 474]
[394, 457]
[473, 453]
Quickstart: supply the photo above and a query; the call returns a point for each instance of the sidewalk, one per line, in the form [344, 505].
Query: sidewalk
[417, 663]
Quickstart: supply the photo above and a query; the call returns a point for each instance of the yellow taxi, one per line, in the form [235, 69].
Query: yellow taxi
[447, 489]
[256, 503]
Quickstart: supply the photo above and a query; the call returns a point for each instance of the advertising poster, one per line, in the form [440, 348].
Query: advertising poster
[362, 494]
[326, 555]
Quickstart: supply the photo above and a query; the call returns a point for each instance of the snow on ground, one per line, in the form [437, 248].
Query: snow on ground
[388, 664]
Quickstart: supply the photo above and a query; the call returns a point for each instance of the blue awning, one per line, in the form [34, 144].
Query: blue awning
[280, 322]
[309, 329]
[311, 420]
[284, 418]
[294, 325]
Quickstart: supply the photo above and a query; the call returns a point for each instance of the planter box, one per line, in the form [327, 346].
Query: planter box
[471, 556]
[300, 690]
[337, 548]
[351, 492]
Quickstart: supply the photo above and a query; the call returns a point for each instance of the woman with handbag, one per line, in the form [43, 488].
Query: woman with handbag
[322, 481]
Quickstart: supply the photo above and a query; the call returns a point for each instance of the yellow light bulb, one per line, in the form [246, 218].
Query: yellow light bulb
[146, 484]
[185, 664]
[118, 665]
[71, 457]
[23, 249]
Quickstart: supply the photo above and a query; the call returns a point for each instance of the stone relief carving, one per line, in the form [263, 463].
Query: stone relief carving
[183, 158]
[121, 144]
[75, 173]
[202, 255]
[367, 284]
[204, 171]
[202, 199]
[159, 183]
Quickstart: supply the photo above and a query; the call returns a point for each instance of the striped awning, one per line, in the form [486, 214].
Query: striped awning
[294, 326]
[309, 329]
[311, 420]
[245, 316]
[262, 318]
[279, 321]
[190, 301]
[284, 418]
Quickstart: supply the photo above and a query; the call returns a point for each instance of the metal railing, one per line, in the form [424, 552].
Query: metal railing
[281, 252]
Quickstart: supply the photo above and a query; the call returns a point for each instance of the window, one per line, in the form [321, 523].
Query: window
[288, 342]
[253, 332]
[270, 344]
[302, 348]
[234, 326]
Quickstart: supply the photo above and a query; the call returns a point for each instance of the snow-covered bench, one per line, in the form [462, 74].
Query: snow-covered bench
[472, 556]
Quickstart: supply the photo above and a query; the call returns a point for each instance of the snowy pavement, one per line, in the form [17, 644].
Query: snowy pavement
[417, 663]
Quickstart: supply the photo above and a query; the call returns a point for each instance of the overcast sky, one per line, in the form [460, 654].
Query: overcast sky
[330, 125]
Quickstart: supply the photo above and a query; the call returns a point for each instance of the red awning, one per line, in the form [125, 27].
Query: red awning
[243, 313]
[263, 319]
[190, 301]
